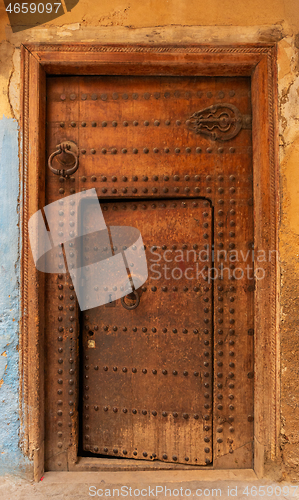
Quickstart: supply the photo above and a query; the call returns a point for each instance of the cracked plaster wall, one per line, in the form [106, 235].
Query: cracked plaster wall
[156, 22]
[288, 74]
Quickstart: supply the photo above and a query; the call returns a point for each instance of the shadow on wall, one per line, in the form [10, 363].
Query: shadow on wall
[29, 15]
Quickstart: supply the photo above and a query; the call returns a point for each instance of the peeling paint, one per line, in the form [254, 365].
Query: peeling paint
[72, 27]
[11, 458]
[14, 85]
[288, 73]
[6, 58]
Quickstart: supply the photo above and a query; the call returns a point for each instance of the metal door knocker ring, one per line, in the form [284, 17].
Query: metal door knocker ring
[134, 297]
[66, 148]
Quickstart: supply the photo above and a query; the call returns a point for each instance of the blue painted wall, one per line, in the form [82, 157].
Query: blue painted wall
[11, 458]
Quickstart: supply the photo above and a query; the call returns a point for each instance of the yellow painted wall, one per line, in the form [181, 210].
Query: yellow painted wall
[158, 13]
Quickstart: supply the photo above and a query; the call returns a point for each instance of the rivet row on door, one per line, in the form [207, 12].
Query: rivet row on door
[156, 95]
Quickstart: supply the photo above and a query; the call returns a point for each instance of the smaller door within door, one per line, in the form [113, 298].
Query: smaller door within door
[147, 377]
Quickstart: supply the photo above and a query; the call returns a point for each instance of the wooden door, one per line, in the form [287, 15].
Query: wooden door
[172, 379]
[147, 374]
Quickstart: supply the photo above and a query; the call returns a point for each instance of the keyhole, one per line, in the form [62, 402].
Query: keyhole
[130, 299]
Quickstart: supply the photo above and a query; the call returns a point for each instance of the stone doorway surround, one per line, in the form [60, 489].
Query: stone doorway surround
[255, 60]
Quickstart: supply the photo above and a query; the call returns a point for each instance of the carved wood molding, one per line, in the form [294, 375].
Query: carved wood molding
[23, 341]
[274, 272]
[141, 48]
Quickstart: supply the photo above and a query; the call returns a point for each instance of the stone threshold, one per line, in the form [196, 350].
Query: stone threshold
[149, 477]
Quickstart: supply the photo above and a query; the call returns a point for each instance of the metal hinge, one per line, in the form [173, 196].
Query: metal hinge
[220, 122]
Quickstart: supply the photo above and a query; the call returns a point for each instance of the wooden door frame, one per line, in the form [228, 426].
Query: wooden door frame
[257, 61]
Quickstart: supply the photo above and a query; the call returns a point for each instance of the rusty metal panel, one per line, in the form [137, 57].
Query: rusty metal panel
[61, 374]
[151, 138]
[148, 371]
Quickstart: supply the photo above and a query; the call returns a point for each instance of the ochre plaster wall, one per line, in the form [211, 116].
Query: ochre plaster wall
[179, 21]
[289, 251]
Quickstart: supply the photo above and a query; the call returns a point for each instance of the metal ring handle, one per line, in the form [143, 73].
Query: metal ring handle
[63, 173]
[133, 306]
